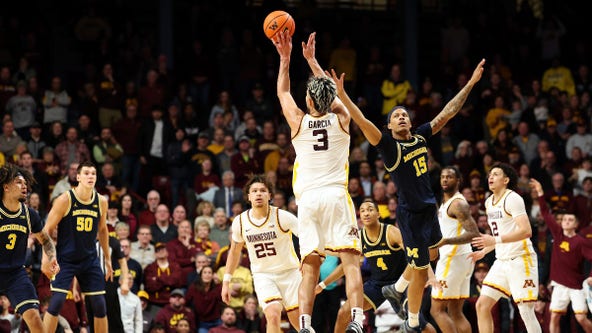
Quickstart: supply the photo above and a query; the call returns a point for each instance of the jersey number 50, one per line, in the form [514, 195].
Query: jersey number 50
[84, 224]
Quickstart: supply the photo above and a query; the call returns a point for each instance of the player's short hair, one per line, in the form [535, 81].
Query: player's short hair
[87, 164]
[9, 172]
[456, 171]
[322, 92]
[369, 200]
[258, 179]
[509, 172]
[395, 108]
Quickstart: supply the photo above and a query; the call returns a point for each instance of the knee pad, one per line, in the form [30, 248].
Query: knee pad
[98, 304]
[56, 303]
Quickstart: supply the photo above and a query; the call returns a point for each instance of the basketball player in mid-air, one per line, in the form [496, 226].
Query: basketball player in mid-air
[81, 215]
[266, 231]
[405, 155]
[17, 221]
[326, 215]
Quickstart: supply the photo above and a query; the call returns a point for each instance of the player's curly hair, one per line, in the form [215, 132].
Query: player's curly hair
[9, 172]
[257, 179]
[509, 172]
[322, 91]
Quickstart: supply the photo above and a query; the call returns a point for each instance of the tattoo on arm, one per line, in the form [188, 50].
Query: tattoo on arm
[460, 209]
[451, 109]
[48, 245]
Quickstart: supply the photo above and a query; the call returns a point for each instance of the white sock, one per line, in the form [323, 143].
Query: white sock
[357, 315]
[305, 321]
[401, 284]
[413, 319]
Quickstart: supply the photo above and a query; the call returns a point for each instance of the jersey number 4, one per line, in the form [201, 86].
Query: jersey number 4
[84, 224]
[323, 140]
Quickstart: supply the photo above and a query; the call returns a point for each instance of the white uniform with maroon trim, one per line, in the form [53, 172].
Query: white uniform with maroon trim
[326, 214]
[274, 262]
[515, 270]
[454, 268]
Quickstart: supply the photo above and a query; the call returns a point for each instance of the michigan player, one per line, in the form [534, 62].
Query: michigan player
[405, 156]
[514, 271]
[17, 221]
[266, 231]
[326, 215]
[79, 215]
[454, 268]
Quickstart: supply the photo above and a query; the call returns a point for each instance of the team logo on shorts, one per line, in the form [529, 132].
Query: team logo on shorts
[528, 283]
[353, 232]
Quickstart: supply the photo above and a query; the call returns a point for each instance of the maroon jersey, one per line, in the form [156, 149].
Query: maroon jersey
[568, 254]
[183, 255]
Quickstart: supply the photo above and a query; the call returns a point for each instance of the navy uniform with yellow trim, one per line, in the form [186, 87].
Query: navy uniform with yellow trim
[407, 162]
[15, 228]
[386, 262]
[76, 250]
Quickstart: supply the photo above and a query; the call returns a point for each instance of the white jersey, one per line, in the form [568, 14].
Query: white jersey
[450, 228]
[322, 152]
[500, 216]
[268, 240]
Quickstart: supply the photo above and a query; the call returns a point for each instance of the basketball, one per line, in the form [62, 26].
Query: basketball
[278, 21]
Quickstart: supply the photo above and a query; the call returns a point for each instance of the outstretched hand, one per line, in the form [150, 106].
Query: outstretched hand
[338, 80]
[477, 73]
[308, 48]
[283, 44]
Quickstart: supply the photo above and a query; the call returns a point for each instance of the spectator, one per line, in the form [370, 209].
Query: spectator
[122, 231]
[179, 215]
[56, 102]
[560, 195]
[174, 311]
[241, 285]
[224, 157]
[204, 297]
[177, 160]
[109, 184]
[244, 162]
[223, 106]
[260, 104]
[22, 110]
[394, 89]
[9, 322]
[148, 311]
[249, 319]
[496, 118]
[228, 193]
[284, 149]
[162, 230]
[133, 266]
[65, 183]
[526, 141]
[219, 231]
[580, 139]
[131, 307]
[127, 215]
[202, 239]
[559, 77]
[183, 326]
[200, 152]
[582, 203]
[141, 250]
[217, 144]
[41, 185]
[229, 320]
[205, 212]
[108, 150]
[150, 94]
[207, 182]
[156, 134]
[267, 142]
[200, 261]
[182, 249]
[72, 150]
[146, 216]
[35, 144]
[9, 139]
[162, 276]
[127, 131]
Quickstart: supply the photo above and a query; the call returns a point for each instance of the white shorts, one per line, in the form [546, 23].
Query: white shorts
[327, 222]
[278, 287]
[561, 297]
[518, 277]
[454, 275]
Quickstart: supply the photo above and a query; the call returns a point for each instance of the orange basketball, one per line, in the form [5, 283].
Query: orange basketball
[278, 21]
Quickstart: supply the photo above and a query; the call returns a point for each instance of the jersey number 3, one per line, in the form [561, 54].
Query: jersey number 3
[324, 139]
[420, 166]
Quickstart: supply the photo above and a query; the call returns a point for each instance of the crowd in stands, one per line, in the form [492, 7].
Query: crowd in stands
[174, 145]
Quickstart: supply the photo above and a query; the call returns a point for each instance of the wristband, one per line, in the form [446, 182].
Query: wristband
[227, 277]
[322, 285]
[498, 239]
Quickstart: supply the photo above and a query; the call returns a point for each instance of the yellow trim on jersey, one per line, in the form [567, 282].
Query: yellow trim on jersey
[388, 242]
[450, 298]
[526, 300]
[29, 301]
[299, 127]
[28, 218]
[94, 293]
[526, 259]
[421, 137]
[580, 312]
[11, 216]
[494, 203]
[365, 235]
[344, 248]
[449, 261]
[414, 266]
[291, 308]
[69, 203]
[410, 144]
[341, 126]
[562, 311]
[92, 197]
[391, 169]
[59, 290]
[498, 288]
[277, 217]
[370, 302]
[264, 222]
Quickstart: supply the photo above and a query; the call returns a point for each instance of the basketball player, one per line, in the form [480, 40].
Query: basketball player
[454, 269]
[382, 245]
[17, 221]
[569, 253]
[326, 215]
[266, 231]
[515, 271]
[79, 215]
[405, 156]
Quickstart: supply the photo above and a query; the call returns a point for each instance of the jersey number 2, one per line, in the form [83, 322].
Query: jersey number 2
[84, 224]
[420, 166]
[324, 139]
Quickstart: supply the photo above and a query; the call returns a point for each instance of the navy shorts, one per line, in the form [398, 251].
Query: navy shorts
[420, 231]
[19, 289]
[90, 277]
[373, 292]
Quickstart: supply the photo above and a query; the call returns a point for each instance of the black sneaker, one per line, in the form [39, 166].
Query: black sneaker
[395, 298]
[354, 327]
[405, 328]
[304, 330]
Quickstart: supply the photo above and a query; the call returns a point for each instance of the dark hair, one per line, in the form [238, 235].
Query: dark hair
[87, 164]
[10, 172]
[369, 200]
[456, 171]
[395, 108]
[199, 284]
[322, 92]
[258, 179]
[509, 172]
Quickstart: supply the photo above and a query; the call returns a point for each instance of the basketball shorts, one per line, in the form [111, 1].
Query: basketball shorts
[19, 289]
[454, 275]
[279, 287]
[90, 277]
[562, 296]
[420, 231]
[518, 277]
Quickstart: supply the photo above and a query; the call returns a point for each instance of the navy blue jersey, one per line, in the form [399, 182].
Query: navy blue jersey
[15, 228]
[386, 262]
[407, 163]
[77, 231]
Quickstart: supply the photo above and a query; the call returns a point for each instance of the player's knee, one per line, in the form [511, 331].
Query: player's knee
[98, 305]
[527, 311]
[581, 318]
[273, 315]
[56, 303]
[483, 305]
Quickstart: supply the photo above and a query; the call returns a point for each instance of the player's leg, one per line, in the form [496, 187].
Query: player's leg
[99, 306]
[484, 317]
[59, 287]
[92, 284]
[580, 308]
[495, 286]
[293, 315]
[529, 318]
[455, 310]
[439, 312]
[273, 317]
[523, 279]
[344, 315]
[33, 320]
[419, 277]
[558, 307]
[21, 293]
[310, 277]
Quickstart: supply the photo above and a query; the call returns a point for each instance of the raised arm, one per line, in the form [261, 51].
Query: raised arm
[456, 103]
[371, 132]
[293, 114]
[308, 51]
[460, 210]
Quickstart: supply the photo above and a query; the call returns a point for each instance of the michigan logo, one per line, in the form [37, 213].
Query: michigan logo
[412, 252]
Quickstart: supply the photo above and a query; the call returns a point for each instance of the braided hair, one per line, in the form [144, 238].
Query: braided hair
[322, 92]
[9, 172]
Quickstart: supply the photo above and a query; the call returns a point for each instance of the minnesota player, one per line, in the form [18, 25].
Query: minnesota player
[81, 216]
[326, 215]
[405, 155]
[17, 221]
[266, 231]
[515, 271]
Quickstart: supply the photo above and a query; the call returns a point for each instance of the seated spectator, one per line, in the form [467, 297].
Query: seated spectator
[229, 320]
[107, 149]
[51, 167]
[174, 311]
[72, 150]
[9, 322]
[582, 138]
[285, 149]
[163, 231]
[130, 306]
[200, 261]
[182, 249]
[162, 276]
[224, 157]
[133, 266]
[577, 177]
[202, 239]
[36, 143]
[152, 200]
[122, 231]
[127, 215]
[244, 162]
[112, 218]
[179, 215]
[227, 193]
[66, 183]
[9, 140]
[219, 232]
[148, 311]
[109, 183]
[207, 182]
[249, 319]
[204, 212]
[183, 326]
[204, 297]
[142, 251]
